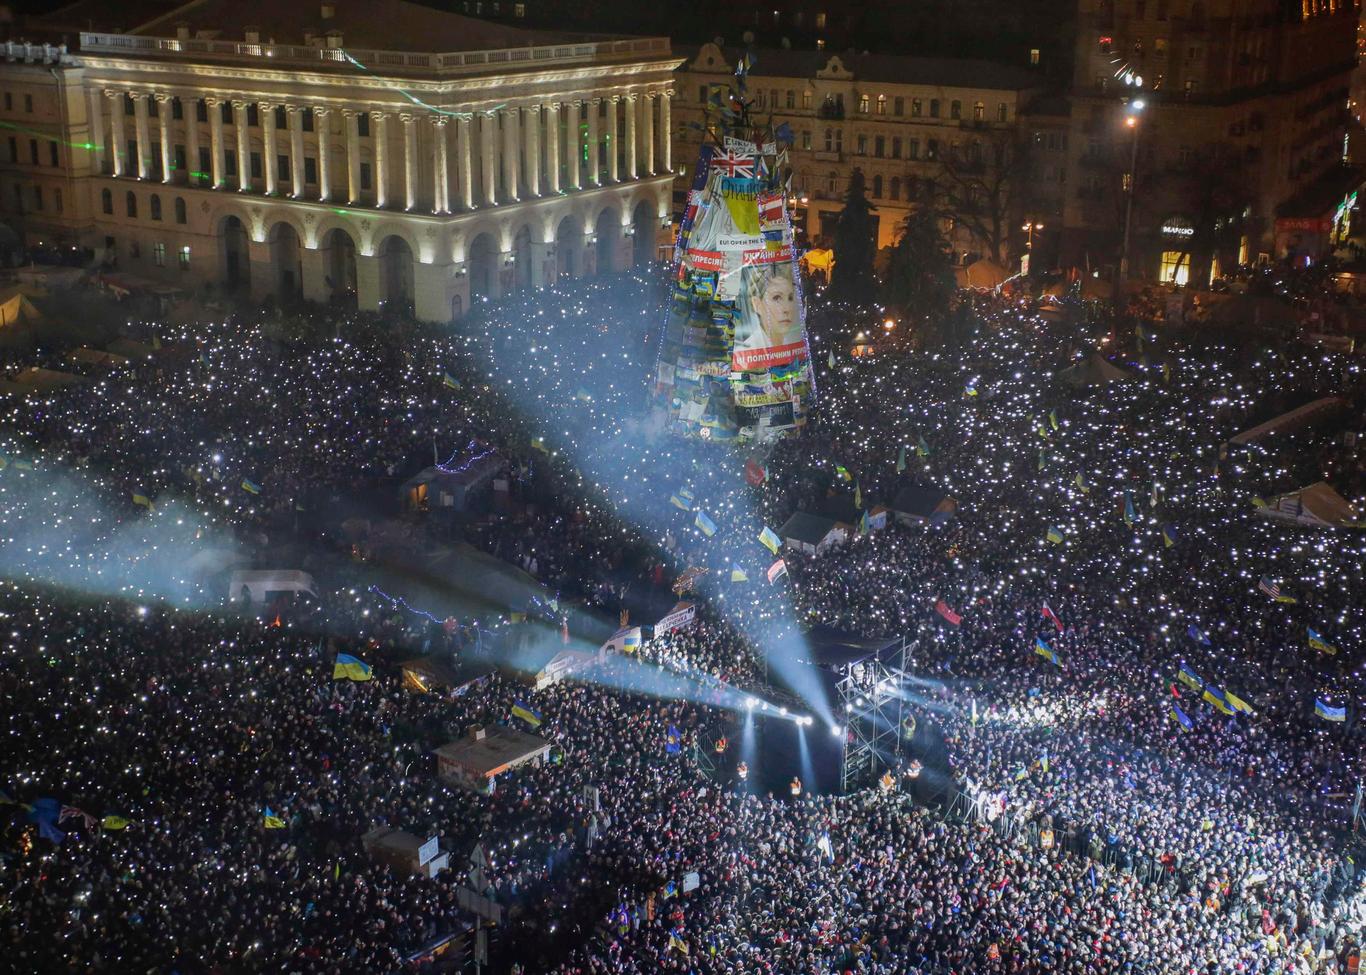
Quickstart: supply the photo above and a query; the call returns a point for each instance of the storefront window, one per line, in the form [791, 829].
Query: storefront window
[1176, 267]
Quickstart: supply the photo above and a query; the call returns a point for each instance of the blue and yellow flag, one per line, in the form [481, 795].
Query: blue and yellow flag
[922, 449]
[118, 822]
[1237, 703]
[1317, 642]
[1187, 676]
[348, 667]
[858, 495]
[1329, 713]
[1053, 419]
[738, 574]
[449, 381]
[1168, 536]
[673, 741]
[707, 526]
[680, 502]
[250, 486]
[1215, 696]
[1182, 719]
[530, 716]
[271, 821]
[971, 388]
[770, 540]
[1081, 484]
[1055, 536]
[1042, 648]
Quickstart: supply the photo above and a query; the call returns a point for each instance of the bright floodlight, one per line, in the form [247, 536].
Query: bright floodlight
[751, 703]
[837, 731]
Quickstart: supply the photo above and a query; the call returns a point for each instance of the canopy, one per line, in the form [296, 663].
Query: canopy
[1296, 419]
[1094, 370]
[1318, 506]
[15, 307]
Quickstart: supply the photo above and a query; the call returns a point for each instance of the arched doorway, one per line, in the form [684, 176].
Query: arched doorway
[287, 262]
[482, 260]
[339, 259]
[236, 255]
[643, 224]
[608, 232]
[396, 275]
[521, 259]
[569, 248]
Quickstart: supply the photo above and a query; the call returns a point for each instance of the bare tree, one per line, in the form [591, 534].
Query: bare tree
[982, 185]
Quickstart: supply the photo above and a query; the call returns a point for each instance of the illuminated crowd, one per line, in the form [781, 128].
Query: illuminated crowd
[1185, 830]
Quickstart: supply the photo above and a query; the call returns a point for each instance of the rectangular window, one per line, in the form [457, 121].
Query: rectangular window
[281, 117]
[131, 148]
[365, 175]
[57, 200]
[13, 149]
[255, 158]
[806, 139]
[934, 108]
[882, 104]
[229, 163]
[806, 99]
[861, 145]
[363, 124]
[307, 125]
[37, 197]
[896, 147]
[932, 149]
[863, 104]
[253, 116]
[177, 109]
[898, 106]
[159, 254]
[791, 98]
[282, 169]
[519, 10]
[915, 108]
[701, 94]
[1034, 57]
[955, 109]
[178, 158]
[128, 104]
[205, 162]
[913, 149]
[1002, 111]
[28, 104]
[880, 146]
[33, 151]
[201, 111]
[53, 159]
[184, 258]
[760, 99]
[310, 170]
[225, 112]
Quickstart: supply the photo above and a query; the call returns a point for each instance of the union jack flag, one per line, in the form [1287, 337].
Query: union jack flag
[734, 164]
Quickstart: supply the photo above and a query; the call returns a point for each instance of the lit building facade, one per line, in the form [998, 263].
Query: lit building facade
[1238, 153]
[447, 160]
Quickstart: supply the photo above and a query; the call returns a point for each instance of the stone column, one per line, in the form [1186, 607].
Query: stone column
[379, 134]
[164, 123]
[239, 119]
[487, 122]
[510, 153]
[96, 101]
[533, 150]
[573, 146]
[632, 107]
[409, 160]
[594, 177]
[143, 135]
[295, 118]
[666, 135]
[552, 146]
[191, 139]
[267, 113]
[351, 125]
[441, 170]
[649, 134]
[215, 114]
[120, 146]
[466, 163]
[320, 128]
[613, 137]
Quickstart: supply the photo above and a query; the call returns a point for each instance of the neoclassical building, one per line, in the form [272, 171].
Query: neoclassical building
[369, 148]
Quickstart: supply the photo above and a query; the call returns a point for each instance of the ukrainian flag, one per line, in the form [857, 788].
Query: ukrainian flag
[738, 574]
[115, 822]
[1317, 642]
[1053, 419]
[1042, 648]
[1237, 703]
[1055, 536]
[922, 449]
[520, 710]
[348, 667]
[678, 944]
[449, 381]
[250, 486]
[706, 524]
[271, 821]
[142, 499]
[1168, 536]
[970, 389]
[1328, 712]
[1182, 719]
[1187, 676]
[631, 641]
[1216, 697]
[1081, 484]
[678, 501]
[770, 540]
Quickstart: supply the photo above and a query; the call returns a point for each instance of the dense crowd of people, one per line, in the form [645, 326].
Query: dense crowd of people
[1135, 673]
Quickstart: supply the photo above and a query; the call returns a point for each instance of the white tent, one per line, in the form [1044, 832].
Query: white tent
[1315, 506]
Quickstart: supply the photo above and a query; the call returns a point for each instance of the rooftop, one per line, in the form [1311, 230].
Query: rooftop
[886, 68]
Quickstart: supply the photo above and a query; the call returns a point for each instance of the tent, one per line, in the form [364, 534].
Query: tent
[15, 308]
[451, 487]
[1296, 419]
[916, 504]
[1094, 370]
[259, 584]
[1315, 506]
[40, 381]
[812, 534]
[983, 275]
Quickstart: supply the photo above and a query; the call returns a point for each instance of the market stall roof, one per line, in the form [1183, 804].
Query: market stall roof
[1318, 505]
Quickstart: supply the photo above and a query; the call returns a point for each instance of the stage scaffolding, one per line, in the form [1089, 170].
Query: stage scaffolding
[874, 711]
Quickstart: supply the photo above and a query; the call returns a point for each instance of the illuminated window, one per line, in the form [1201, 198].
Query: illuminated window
[159, 254]
[882, 104]
[184, 258]
[863, 104]
[1034, 56]
[1176, 267]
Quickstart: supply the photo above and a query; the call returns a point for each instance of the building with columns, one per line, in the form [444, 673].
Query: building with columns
[369, 150]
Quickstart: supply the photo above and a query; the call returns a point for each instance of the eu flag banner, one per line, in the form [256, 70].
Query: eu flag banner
[673, 741]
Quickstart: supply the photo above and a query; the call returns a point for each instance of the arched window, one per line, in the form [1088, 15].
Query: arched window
[877, 186]
[155, 206]
[180, 209]
[979, 112]
[107, 202]
[131, 202]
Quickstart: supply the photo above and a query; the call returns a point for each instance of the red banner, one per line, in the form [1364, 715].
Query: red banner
[748, 360]
[942, 608]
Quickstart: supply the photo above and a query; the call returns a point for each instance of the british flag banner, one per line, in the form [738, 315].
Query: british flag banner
[734, 164]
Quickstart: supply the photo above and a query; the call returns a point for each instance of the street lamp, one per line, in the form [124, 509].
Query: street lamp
[1029, 227]
[1136, 107]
